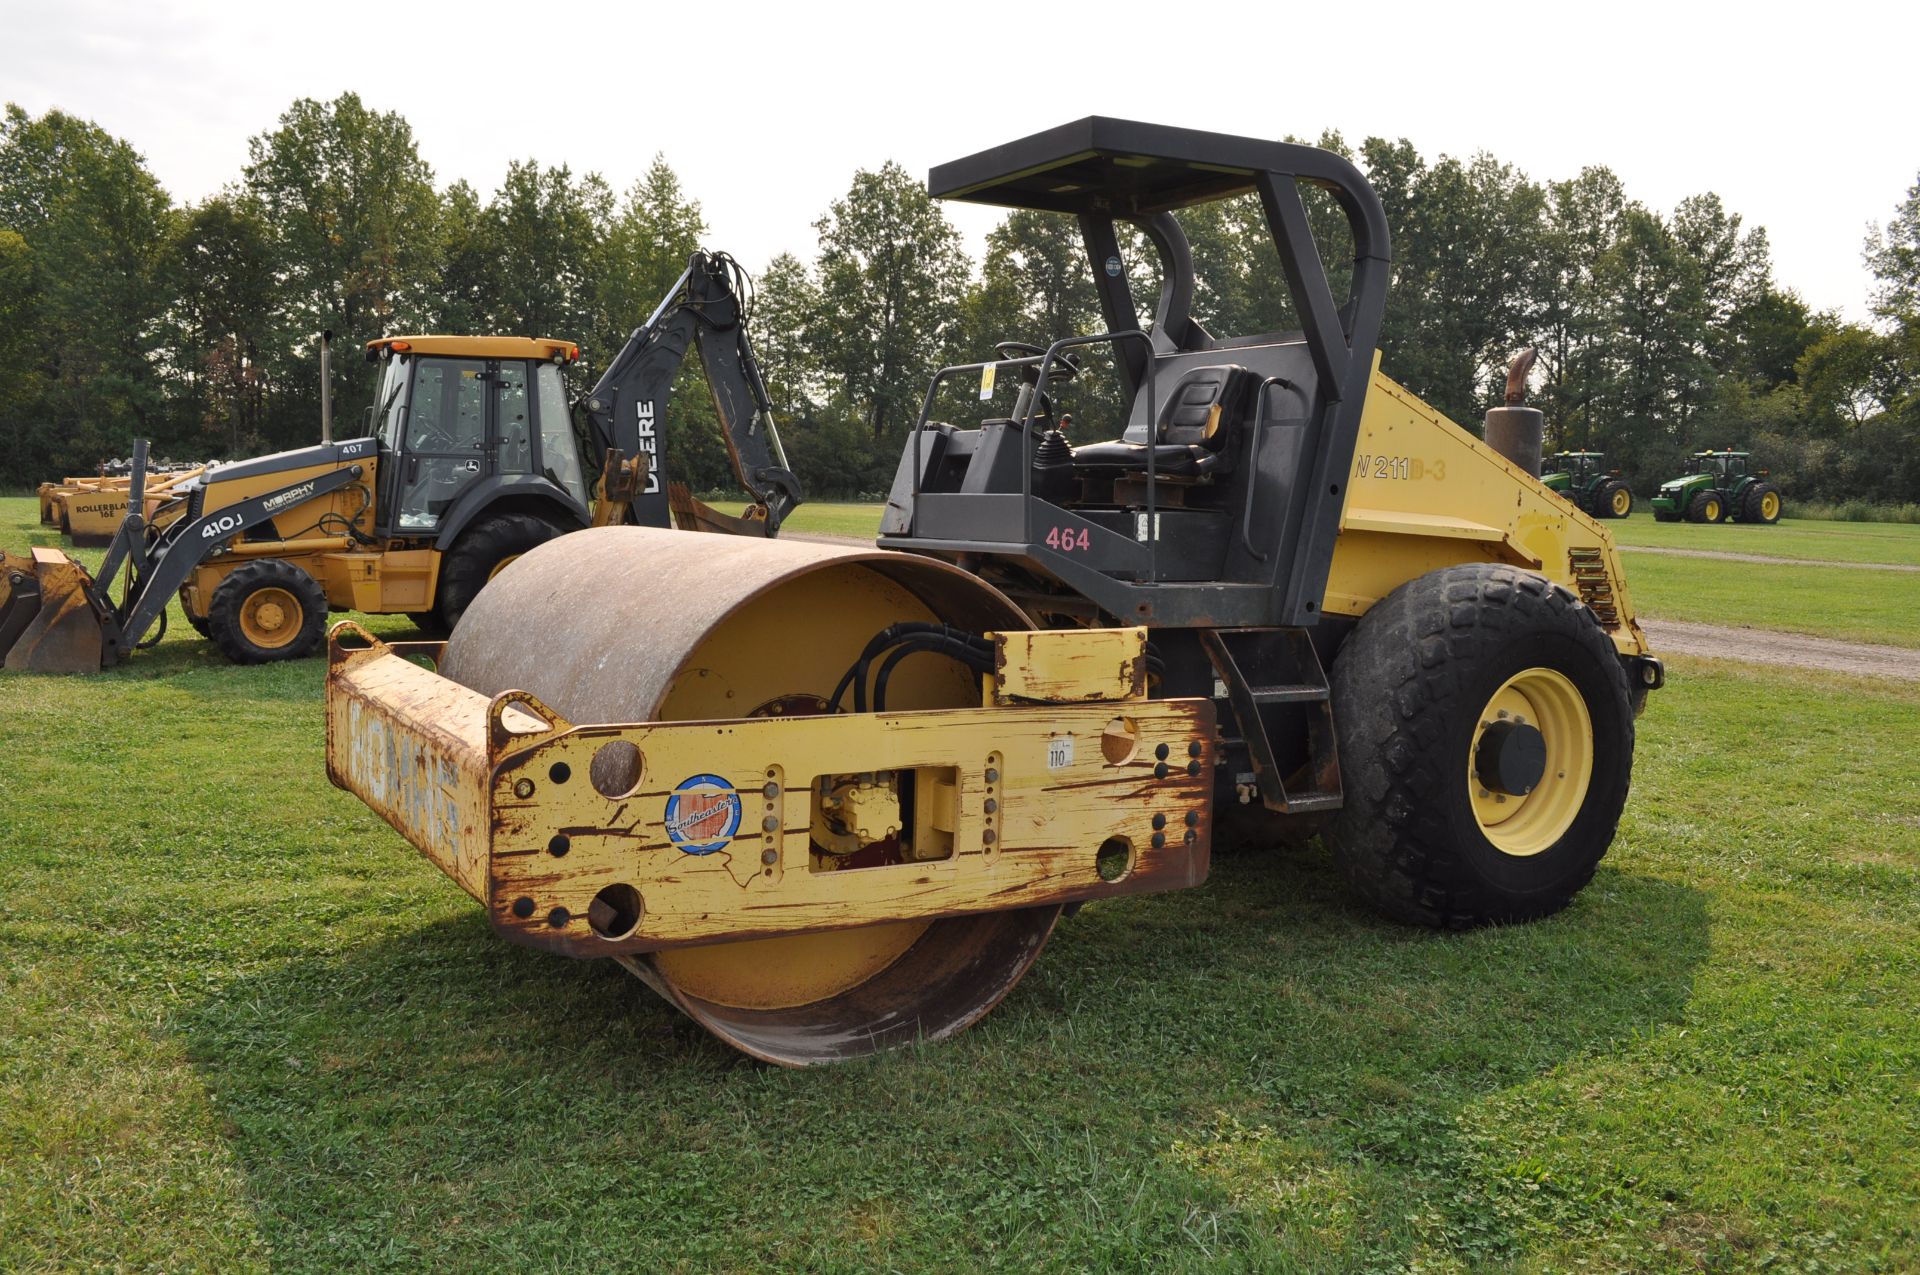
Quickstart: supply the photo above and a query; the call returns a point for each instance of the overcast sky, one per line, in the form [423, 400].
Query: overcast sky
[1802, 118]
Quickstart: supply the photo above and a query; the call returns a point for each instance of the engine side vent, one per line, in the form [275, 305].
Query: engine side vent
[1595, 584]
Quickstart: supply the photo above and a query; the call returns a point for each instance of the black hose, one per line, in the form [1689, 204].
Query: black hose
[971, 656]
[893, 635]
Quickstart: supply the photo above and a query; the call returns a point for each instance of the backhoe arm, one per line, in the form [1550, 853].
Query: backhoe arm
[624, 409]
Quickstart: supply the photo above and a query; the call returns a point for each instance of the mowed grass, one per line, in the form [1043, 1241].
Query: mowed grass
[243, 1026]
[826, 518]
[1789, 538]
[1859, 606]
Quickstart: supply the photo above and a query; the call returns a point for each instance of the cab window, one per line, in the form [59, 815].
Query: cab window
[449, 413]
[559, 452]
[512, 419]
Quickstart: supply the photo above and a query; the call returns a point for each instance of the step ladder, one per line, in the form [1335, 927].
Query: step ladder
[1275, 683]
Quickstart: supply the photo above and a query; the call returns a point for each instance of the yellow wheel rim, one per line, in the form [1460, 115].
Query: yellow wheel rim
[1622, 501]
[1549, 702]
[503, 564]
[1713, 511]
[1769, 505]
[271, 617]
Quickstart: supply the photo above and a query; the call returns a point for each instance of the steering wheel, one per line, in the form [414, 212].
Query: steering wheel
[1064, 368]
[424, 436]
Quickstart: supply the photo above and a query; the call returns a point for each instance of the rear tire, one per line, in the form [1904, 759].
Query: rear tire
[1616, 500]
[267, 611]
[1412, 690]
[1762, 504]
[482, 550]
[1706, 506]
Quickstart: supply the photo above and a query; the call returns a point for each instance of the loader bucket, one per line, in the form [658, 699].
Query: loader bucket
[49, 616]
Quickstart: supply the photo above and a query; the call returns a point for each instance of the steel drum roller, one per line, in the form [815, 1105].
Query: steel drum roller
[631, 624]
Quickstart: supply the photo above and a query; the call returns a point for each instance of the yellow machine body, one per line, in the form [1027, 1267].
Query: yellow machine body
[391, 576]
[1424, 494]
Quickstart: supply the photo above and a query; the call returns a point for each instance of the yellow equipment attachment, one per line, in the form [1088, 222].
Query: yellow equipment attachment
[50, 621]
[664, 779]
[92, 516]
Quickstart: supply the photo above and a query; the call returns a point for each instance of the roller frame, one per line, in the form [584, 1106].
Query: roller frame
[468, 780]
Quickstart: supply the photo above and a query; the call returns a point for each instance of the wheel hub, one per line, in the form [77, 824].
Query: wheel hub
[1511, 758]
[1530, 761]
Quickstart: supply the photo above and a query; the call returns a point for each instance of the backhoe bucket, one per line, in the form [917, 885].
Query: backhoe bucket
[50, 620]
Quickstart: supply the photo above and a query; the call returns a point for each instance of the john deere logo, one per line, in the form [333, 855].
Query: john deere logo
[703, 813]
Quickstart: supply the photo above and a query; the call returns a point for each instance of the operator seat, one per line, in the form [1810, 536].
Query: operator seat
[1197, 419]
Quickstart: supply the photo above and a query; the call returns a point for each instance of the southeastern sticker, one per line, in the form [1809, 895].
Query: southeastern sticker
[703, 813]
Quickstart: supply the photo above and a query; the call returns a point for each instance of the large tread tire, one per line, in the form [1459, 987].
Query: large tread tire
[1408, 689]
[227, 613]
[1610, 492]
[1753, 504]
[1707, 506]
[481, 550]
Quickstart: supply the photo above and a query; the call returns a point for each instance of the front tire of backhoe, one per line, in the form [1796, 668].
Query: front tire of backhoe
[267, 611]
[481, 553]
[1486, 747]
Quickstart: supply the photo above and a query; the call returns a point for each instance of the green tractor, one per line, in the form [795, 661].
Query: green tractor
[1721, 487]
[1584, 479]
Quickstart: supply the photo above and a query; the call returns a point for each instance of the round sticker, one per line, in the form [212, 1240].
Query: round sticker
[703, 813]
[1113, 267]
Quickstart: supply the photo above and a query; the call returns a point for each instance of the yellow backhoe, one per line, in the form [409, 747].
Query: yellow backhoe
[471, 459]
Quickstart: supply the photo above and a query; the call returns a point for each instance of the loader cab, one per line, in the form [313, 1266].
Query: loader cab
[1219, 500]
[458, 418]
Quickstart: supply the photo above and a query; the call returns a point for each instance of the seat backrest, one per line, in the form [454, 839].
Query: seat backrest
[1201, 408]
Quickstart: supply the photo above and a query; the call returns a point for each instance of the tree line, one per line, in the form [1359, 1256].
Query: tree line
[124, 314]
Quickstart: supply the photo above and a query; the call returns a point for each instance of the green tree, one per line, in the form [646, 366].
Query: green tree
[86, 282]
[891, 273]
[544, 235]
[646, 247]
[352, 217]
[463, 300]
[786, 300]
[1583, 221]
[221, 278]
[1893, 255]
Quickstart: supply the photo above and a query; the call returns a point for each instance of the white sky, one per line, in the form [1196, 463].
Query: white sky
[1801, 117]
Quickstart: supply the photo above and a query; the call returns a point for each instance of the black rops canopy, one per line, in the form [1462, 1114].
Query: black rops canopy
[1125, 169]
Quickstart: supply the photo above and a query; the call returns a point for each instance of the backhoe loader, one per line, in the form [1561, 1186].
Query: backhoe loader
[833, 800]
[470, 460]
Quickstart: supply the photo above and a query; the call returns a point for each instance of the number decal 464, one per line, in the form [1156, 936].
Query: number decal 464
[1068, 539]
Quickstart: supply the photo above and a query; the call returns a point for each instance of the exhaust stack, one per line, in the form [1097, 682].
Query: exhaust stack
[326, 386]
[1516, 430]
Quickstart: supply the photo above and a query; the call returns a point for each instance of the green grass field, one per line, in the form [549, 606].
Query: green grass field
[243, 1026]
[1789, 538]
